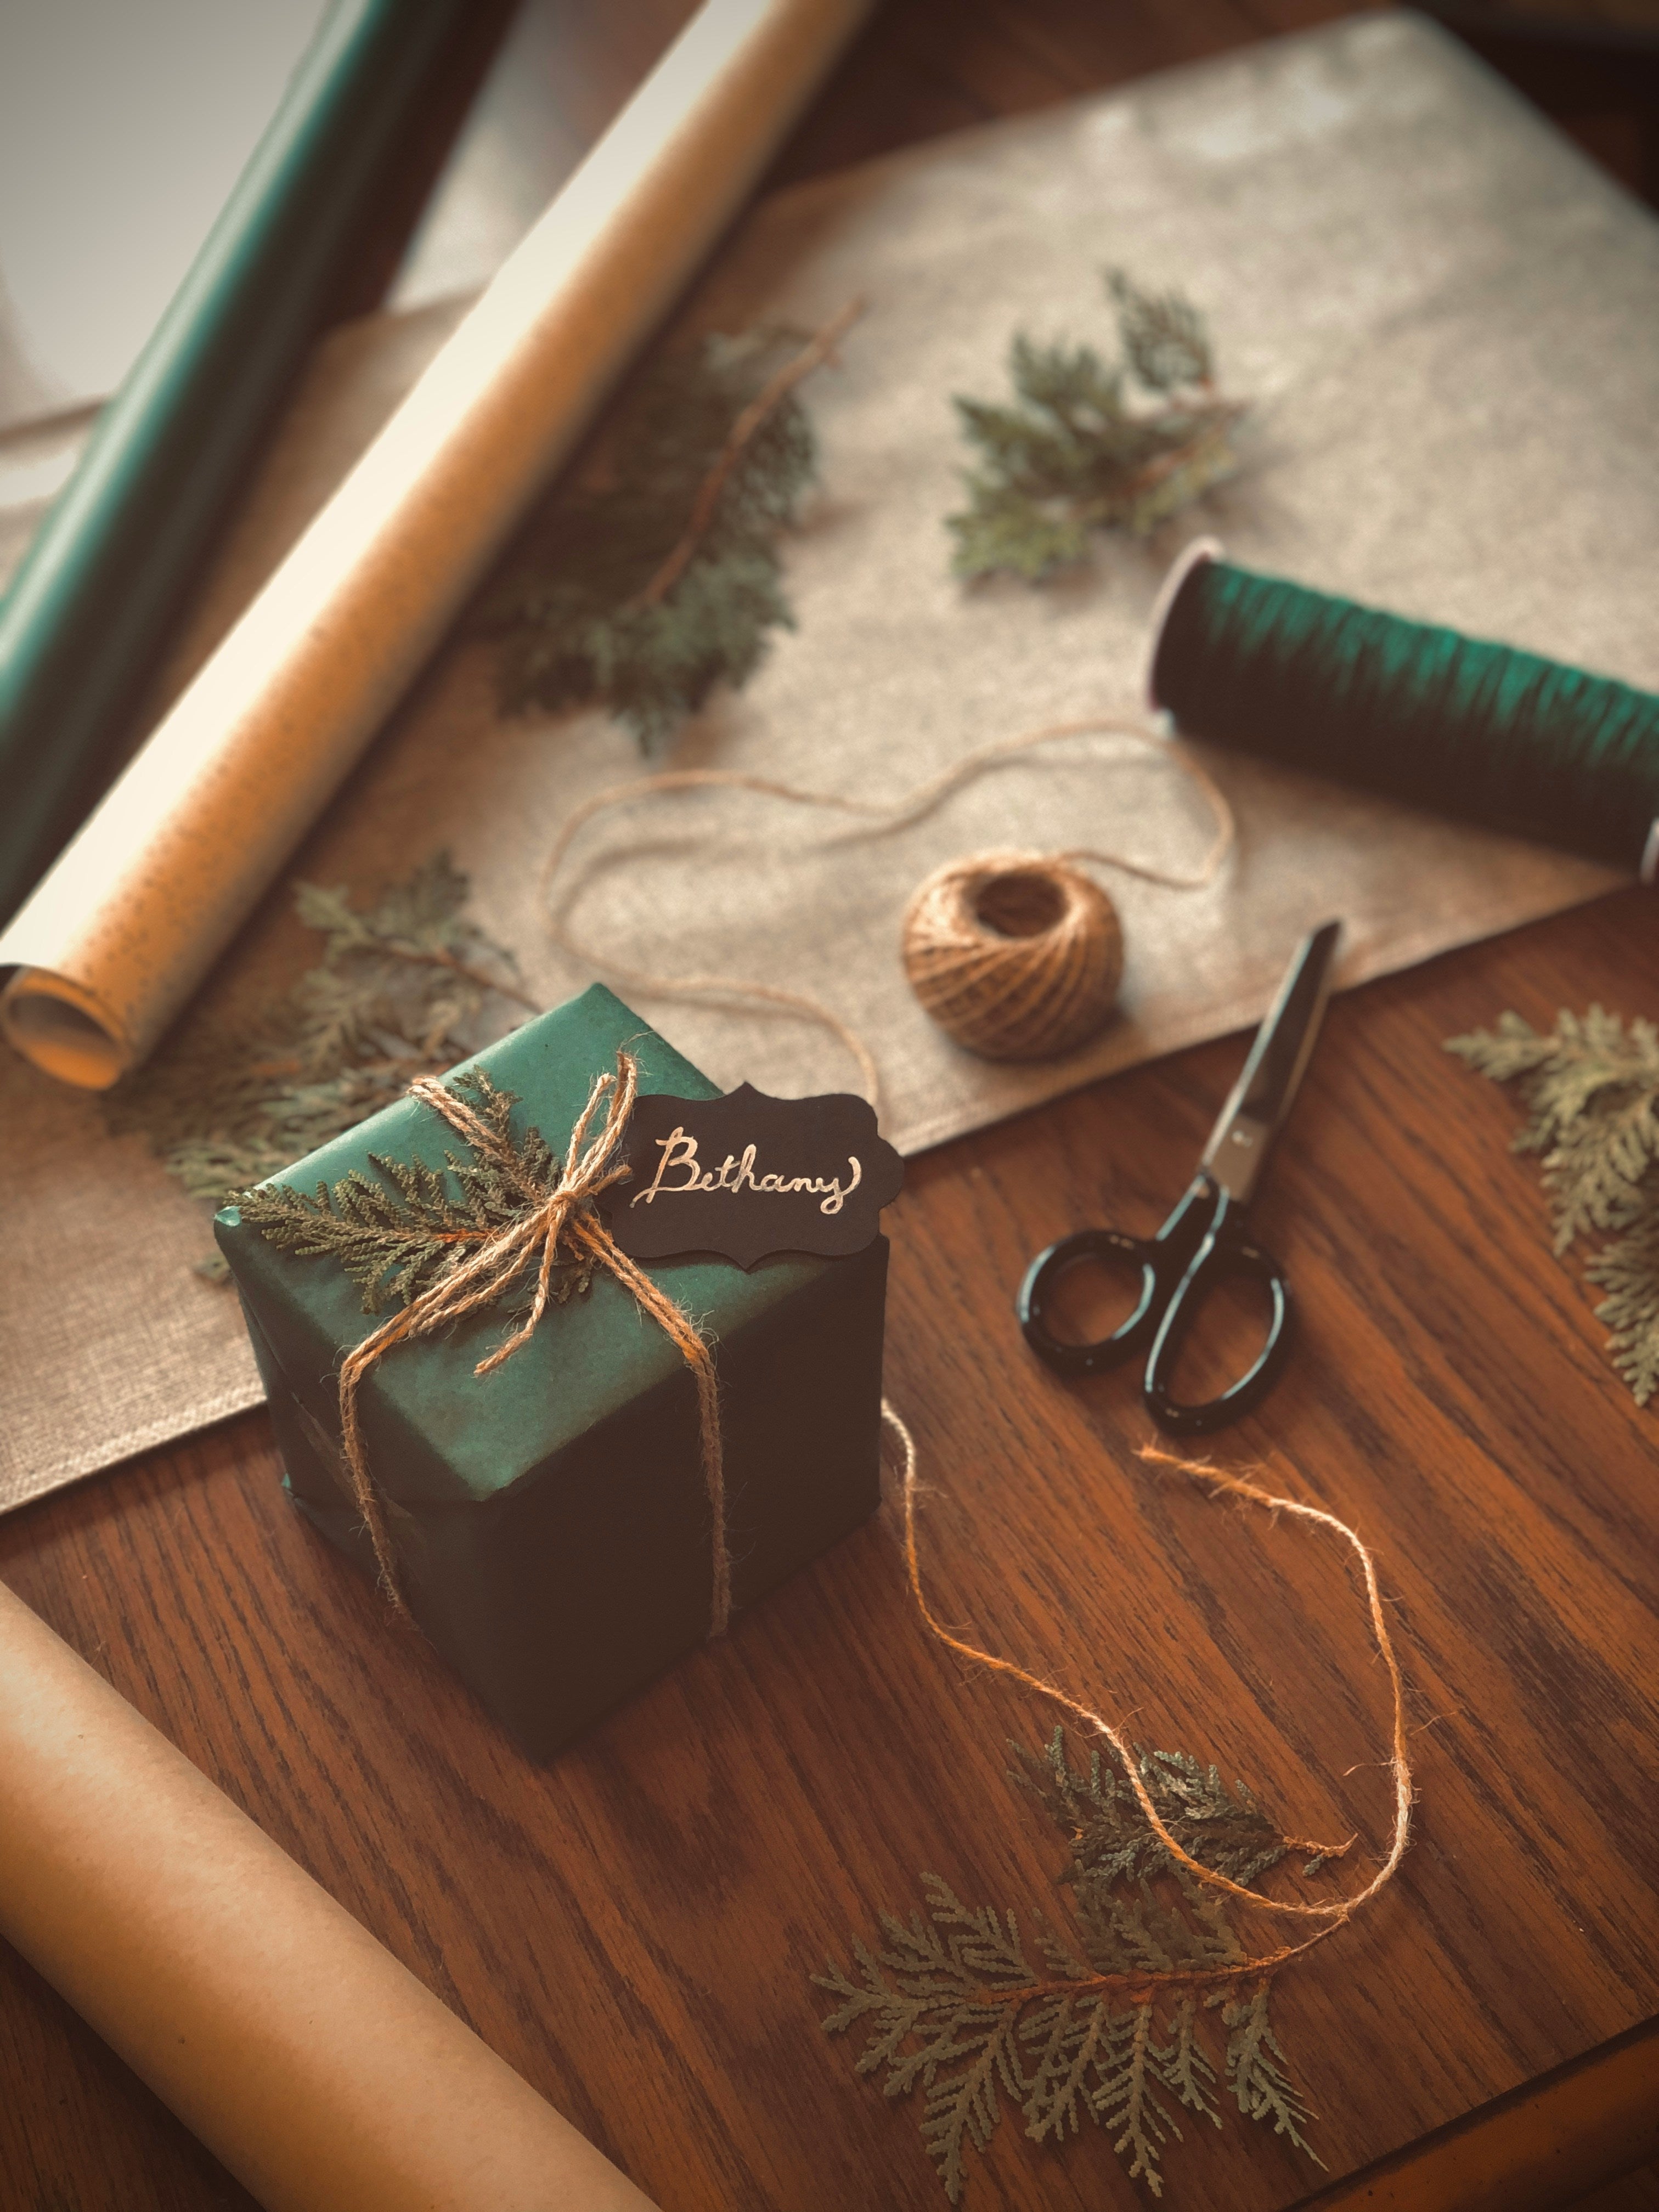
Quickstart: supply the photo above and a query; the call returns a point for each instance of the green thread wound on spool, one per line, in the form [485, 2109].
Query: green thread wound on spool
[1419, 713]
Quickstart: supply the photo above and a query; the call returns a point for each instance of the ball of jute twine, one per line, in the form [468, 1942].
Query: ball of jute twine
[1030, 997]
[1016, 955]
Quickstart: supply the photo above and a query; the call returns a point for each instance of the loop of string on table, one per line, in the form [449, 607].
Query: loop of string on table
[893, 815]
[1332, 1912]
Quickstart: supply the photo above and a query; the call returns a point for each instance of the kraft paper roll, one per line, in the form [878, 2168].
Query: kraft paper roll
[310, 2063]
[113, 566]
[138, 906]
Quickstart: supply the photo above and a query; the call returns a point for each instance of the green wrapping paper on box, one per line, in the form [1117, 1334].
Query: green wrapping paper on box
[550, 1521]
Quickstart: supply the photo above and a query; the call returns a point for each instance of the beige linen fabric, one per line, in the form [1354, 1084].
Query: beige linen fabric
[1449, 327]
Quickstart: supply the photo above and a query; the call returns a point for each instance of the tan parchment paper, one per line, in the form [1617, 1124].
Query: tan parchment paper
[1448, 324]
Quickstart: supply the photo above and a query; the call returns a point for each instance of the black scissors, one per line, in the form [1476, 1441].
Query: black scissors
[1203, 1241]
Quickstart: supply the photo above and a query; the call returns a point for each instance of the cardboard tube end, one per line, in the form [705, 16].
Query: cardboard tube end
[52, 1023]
[1190, 557]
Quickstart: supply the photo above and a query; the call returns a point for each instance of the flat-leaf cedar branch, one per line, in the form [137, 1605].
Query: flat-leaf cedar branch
[398, 1233]
[405, 987]
[1106, 2022]
[1091, 445]
[1591, 1087]
[654, 575]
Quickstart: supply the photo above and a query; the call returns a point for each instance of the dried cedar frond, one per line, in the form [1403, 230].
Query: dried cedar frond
[1090, 445]
[1591, 1087]
[1107, 2023]
[403, 987]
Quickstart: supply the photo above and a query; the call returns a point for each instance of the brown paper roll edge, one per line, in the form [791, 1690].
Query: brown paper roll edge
[313, 2065]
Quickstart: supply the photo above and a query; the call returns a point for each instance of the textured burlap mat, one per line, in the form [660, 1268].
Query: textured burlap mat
[1449, 327]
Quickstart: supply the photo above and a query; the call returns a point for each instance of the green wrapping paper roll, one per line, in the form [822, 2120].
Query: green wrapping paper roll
[133, 913]
[92, 608]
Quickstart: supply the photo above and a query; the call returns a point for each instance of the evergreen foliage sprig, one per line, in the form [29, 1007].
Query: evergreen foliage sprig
[398, 1237]
[1591, 1089]
[1107, 2023]
[647, 582]
[402, 989]
[1093, 444]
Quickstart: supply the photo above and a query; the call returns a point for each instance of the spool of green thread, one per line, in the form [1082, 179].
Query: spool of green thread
[1419, 713]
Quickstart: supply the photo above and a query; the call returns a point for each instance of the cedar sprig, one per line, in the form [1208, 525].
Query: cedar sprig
[400, 1232]
[1109, 2025]
[654, 575]
[405, 987]
[1591, 1087]
[1221, 1827]
[1091, 445]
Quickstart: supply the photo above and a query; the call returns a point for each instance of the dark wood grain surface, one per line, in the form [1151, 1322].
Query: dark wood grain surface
[634, 1928]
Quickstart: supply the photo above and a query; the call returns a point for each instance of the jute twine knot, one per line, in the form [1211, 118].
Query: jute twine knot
[1015, 955]
[557, 1223]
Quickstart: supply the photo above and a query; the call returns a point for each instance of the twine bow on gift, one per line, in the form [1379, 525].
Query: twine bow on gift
[556, 1224]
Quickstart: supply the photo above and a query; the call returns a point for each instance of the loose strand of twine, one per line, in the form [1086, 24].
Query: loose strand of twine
[554, 1216]
[892, 814]
[1331, 1913]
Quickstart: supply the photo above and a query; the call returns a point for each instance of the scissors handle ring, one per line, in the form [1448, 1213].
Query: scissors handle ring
[1219, 1256]
[1043, 1275]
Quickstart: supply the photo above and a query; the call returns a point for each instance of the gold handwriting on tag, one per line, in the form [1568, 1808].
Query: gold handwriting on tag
[737, 1174]
[746, 1176]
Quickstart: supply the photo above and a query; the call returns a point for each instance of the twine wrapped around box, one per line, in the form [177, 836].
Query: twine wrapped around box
[552, 1222]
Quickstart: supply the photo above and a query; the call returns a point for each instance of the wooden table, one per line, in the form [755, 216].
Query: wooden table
[634, 1928]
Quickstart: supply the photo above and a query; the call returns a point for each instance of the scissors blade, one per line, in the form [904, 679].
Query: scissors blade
[1258, 1102]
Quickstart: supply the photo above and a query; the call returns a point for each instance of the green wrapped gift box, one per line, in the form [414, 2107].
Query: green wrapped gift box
[550, 1519]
